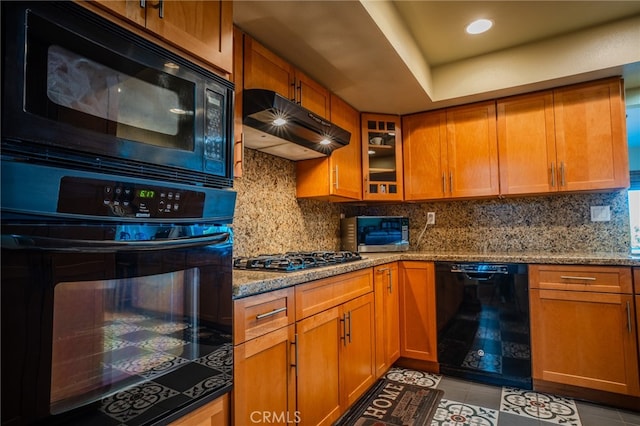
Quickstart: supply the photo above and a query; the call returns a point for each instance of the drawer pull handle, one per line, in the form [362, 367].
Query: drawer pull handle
[629, 317]
[343, 322]
[268, 314]
[569, 277]
[295, 343]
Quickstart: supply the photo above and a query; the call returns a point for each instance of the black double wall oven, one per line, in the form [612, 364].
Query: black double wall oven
[116, 212]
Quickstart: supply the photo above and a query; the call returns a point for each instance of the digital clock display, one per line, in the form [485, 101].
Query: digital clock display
[146, 193]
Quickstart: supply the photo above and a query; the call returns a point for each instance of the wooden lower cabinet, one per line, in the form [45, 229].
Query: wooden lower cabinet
[264, 381]
[264, 389]
[319, 340]
[357, 363]
[418, 331]
[584, 338]
[215, 413]
[304, 354]
[335, 360]
[387, 316]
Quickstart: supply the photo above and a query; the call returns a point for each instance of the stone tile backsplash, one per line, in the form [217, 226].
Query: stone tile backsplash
[270, 219]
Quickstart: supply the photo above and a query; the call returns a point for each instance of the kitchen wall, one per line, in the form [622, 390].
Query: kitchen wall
[270, 219]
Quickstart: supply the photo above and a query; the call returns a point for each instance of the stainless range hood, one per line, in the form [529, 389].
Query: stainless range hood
[278, 126]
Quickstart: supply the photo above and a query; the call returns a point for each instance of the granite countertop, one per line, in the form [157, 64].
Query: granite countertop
[247, 283]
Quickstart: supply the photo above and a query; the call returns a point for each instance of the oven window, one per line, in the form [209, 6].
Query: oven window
[76, 82]
[112, 334]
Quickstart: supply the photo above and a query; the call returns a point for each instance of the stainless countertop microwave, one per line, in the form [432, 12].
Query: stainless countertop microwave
[375, 233]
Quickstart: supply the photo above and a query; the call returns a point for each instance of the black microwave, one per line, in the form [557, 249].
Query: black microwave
[81, 92]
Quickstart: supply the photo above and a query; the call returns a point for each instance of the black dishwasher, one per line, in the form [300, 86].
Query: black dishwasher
[483, 322]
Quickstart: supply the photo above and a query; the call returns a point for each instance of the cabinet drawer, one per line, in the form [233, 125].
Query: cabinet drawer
[317, 296]
[256, 315]
[602, 279]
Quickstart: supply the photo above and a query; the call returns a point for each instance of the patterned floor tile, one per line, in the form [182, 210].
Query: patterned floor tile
[420, 378]
[452, 413]
[548, 408]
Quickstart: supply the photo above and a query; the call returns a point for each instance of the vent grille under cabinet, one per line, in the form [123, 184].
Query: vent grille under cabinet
[57, 157]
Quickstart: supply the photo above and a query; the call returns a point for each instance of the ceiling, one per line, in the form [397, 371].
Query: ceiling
[400, 57]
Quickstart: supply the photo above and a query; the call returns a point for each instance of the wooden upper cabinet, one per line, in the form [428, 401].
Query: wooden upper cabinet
[569, 139]
[203, 28]
[263, 69]
[591, 136]
[472, 150]
[425, 155]
[311, 95]
[127, 9]
[382, 157]
[527, 144]
[452, 153]
[339, 176]
[236, 77]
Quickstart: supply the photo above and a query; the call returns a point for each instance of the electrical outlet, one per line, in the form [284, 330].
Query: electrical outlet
[431, 218]
[600, 213]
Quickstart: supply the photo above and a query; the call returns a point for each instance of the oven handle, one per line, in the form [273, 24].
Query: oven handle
[25, 242]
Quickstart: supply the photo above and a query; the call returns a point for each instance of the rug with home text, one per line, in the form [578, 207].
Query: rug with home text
[393, 403]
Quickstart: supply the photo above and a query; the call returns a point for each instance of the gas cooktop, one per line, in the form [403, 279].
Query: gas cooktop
[294, 261]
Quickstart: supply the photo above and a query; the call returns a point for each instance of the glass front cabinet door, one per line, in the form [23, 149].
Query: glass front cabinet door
[382, 157]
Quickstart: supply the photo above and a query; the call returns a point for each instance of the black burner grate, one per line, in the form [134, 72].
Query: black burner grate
[294, 261]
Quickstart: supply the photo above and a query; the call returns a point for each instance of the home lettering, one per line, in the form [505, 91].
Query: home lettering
[383, 401]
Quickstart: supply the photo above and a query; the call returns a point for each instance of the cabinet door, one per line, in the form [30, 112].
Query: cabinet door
[259, 390]
[339, 176]
[387, 318]
[527, 144]
[236, 76]
[346, 162]
[382, 157]
[357, 370]
[204, 28]
[215, 413]
[472, 150]
[418, 335]
[591, 136]
[311, 95]
[425, 154]
[584, 339]
[265, 70]
[319, 340]
[127, 9]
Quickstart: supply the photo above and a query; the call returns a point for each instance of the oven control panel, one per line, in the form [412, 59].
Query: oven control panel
[96, 197]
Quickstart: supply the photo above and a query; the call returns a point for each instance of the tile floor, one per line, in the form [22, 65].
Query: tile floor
[468, 403]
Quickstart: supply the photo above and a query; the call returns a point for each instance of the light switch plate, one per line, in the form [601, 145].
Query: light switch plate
[600, 213]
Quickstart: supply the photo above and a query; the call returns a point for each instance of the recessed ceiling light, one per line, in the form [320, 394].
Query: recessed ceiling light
[479, 26]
